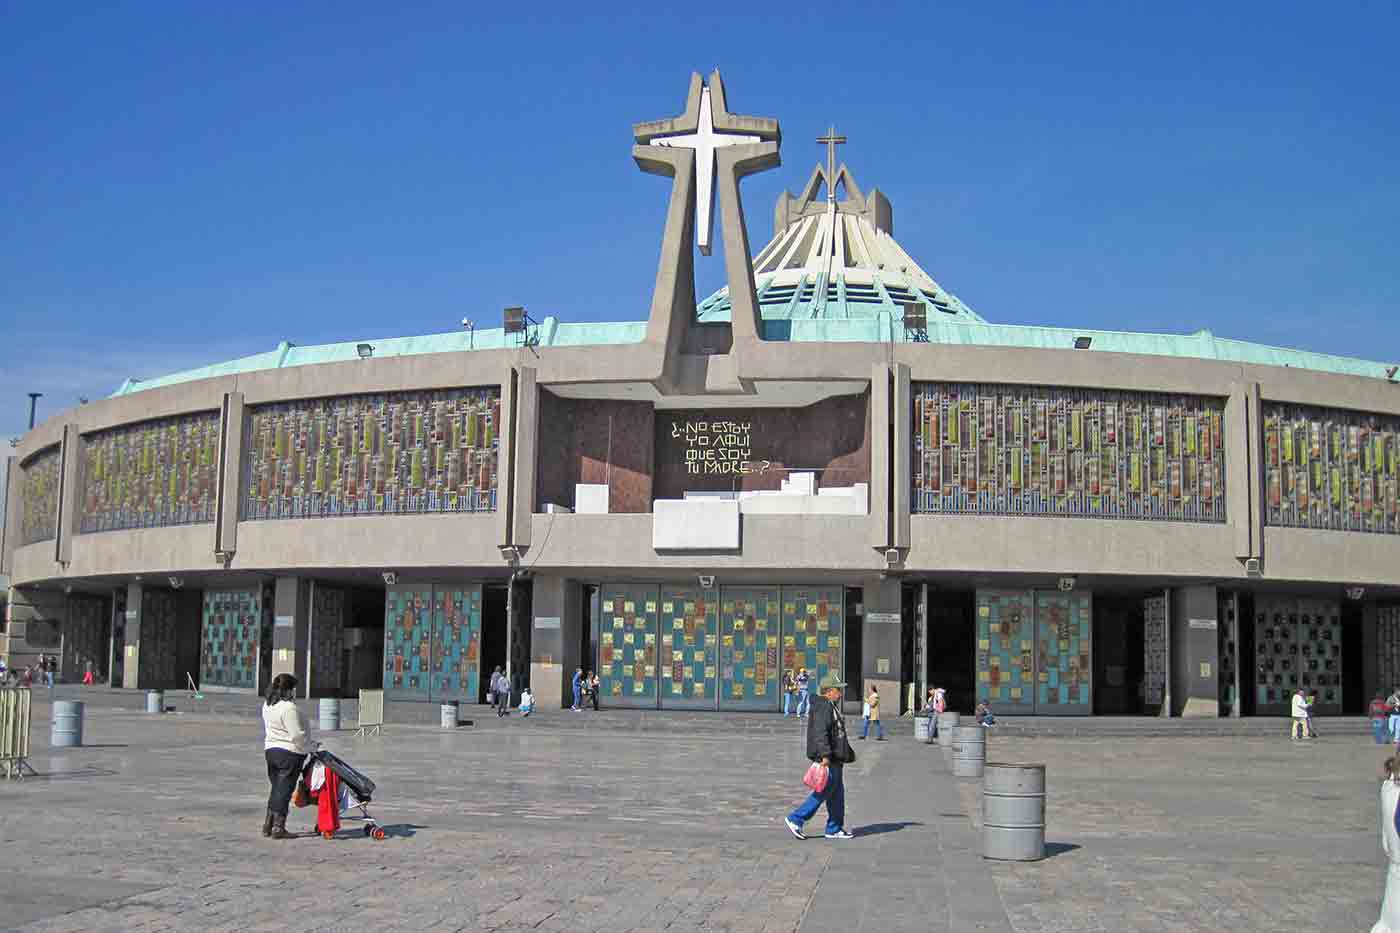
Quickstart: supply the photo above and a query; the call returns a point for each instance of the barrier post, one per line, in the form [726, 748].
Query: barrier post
[14, 731]
[371, 714]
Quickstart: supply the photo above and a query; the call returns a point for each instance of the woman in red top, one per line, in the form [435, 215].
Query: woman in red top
[1380, 713]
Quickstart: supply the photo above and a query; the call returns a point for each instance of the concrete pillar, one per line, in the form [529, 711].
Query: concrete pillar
[524, 434]
[555, 640]
[881, 643]
[291, 617]
[902, 455]
[70, 465]
[230, 474]
[881, 532]
[131, 659]
[1195, 652]
[12, 516]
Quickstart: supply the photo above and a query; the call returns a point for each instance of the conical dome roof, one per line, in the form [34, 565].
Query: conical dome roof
[838, 259]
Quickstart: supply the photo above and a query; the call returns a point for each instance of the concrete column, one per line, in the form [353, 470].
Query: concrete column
[70, 467]
[555, 640]
[881, 532]
[131, 660]
[505, 438]
[524, 435]
[291, 617]
[12, 516]
[881, 642]
[902, 454]
[230, 474]
[1255, 475]
[1195, 652]
[1240, 462]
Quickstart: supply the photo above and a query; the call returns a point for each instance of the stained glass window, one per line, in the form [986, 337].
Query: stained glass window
[39, 498]
[1326, 468]
[406, 452]
[156, 473]
[1034, 450]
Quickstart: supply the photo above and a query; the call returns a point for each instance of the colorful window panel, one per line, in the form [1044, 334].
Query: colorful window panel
[627, 645]
[689, 662]
[749, 641]
[1035, 450]
[39, 498]
[1062, 623]
[1006, 649]
[151, 474]
[407, 641]
[1327, 468]
[407, 452]
[812, 631]
[229, 644]
[456, 647]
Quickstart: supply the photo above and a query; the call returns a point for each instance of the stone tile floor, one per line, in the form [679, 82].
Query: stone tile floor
[547, 825]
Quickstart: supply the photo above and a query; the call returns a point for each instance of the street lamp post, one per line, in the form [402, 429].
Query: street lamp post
[33, 406]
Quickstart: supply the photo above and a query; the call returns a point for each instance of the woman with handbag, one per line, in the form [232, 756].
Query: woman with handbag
[1389, 921]
[286, 742]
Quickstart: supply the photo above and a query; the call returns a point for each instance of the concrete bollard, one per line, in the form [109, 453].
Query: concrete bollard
[923, 729]
[1013, 812]
[969, 751]
[449, 715]
[155, 701]
[67, 725]
[947, 722]
[328, 714]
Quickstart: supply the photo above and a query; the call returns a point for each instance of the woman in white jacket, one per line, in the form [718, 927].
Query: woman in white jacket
[1390, 845]
[287, 738]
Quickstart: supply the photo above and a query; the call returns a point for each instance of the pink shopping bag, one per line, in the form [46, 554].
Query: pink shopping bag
[816, 777]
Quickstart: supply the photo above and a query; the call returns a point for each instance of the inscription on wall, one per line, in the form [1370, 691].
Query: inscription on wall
[718, 447]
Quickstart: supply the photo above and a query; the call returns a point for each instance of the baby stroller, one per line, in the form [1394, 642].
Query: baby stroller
[336, 788]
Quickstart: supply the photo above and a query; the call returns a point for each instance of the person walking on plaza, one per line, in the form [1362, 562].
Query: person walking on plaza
[1299, 729]
[789, 691]
[287, 738]
[804, 693]
[829, 746]
[872, 714]
[500, 692]
[50, 669]
[1393, 721]
[527, 702]
[1379, 713]
[1389, 921]
[593, 685]
[937, 706]
[578, 689]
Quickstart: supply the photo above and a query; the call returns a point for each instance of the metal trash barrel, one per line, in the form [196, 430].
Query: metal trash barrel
[67, 724]
[1013, 812]
[449, 715]
[969, 751]
[923, 731]
[155, 701]
[328, 714]
[947, 722]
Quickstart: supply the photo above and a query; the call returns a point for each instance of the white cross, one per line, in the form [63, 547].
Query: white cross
[705, 141]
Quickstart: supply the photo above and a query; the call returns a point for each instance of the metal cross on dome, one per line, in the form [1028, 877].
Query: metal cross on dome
[705, 140]
[831, 141]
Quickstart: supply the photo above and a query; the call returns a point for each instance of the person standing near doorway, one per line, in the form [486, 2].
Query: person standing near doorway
[789, 691]
[1299, 728]
[593, 685]
[577, 685]
[872, 714]
[829, 746]
[500, 692]
[804, 693]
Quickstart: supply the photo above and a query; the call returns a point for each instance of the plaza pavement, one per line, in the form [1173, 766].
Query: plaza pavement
[618, 821]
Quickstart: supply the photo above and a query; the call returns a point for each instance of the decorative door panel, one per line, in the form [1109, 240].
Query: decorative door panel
[407, 642]
[1320, 653]
[456, 643]
[812, 631]
[749, 643]
[689, 650]
[159, 622]
[1154, 652]
[229, 649]
[1063, 663]
[1006, 650]
[627, 645]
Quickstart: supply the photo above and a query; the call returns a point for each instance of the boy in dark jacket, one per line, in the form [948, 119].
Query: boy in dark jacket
[827, 744]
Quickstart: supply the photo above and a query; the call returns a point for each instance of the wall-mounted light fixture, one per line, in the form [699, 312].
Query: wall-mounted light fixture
[1390, 372]
[1356, 593]
[176, 582]
[1067, 584]
[1253, 568]
[706, 581]
[1082, 343]
[390, 578]
[364, 350]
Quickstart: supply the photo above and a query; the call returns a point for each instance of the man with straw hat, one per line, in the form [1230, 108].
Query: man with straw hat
[827, 745]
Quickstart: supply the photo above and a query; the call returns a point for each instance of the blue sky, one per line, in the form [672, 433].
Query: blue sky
[183, 184]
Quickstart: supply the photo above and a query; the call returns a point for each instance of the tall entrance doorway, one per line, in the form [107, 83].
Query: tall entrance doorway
[1119, 654]
[1033, 651]
[951, 653]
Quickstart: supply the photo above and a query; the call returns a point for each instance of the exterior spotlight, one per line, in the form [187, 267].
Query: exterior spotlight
[514, 320]
[1355, 593]
[509, 552]
[223, 558]
[1082, 343]
[1390, 372]
[1253, 568]
[14, 442]
[176, 583]
[365, 350]
[1067, 584]
[390, 578]
[706, 581]
[68, 589]
[892, 557]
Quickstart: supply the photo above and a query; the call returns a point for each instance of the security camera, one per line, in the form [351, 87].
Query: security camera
[892, 557]
[1066, 584]
[468, 323]
[706, 581]
[176, 583]
[390, 578]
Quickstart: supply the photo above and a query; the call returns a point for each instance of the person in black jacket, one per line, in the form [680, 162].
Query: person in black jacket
[827, 744]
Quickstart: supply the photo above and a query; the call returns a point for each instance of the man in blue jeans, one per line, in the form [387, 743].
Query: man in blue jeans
[827, 744]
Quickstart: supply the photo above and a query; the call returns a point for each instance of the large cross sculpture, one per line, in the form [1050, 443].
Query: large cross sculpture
[704, 148]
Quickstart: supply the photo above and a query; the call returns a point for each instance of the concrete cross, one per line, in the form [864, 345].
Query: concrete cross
[705, 140]
[831, 141]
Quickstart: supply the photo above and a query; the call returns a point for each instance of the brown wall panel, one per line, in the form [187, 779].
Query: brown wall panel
[575, 447]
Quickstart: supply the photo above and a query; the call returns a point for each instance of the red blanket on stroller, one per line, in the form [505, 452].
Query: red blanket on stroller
[327, 800]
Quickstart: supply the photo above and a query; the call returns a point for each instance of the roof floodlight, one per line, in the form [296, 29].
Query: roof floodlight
[915, 316]
[1082, 343]
[514, 320]
[365, 350]
[1390, 372]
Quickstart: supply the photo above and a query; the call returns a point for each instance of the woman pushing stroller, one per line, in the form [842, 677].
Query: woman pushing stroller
[287, 739]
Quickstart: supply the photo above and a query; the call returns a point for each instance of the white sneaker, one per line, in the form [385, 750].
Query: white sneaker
[841, 835]
[794, 829]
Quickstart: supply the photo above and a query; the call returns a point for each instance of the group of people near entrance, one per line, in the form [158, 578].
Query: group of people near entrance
[42, 671]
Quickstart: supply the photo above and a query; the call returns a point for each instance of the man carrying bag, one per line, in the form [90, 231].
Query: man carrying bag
[827, 745]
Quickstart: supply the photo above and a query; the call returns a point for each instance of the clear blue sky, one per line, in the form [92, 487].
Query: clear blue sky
[181, 184]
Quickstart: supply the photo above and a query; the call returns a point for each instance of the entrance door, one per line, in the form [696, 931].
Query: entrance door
[456, 643]
[627, 645]
[812, 631]
[1033, 651]
[689, 648]
[748, 655]
[432, 642]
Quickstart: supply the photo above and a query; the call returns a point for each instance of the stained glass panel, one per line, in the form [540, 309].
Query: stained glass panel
[1063, 664]
[407, 641]
[39, 498]
[812, 631]
[749, 623]
[1005, 650]
[628, 645]
[151, 474]
[229, 646]
[456, 645]
[689, 648]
